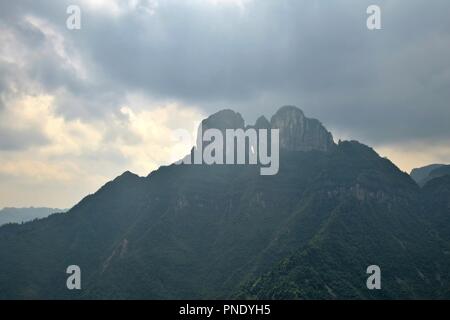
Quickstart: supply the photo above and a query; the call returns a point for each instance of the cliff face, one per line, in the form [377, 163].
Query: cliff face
[222, 120]
[299, 133]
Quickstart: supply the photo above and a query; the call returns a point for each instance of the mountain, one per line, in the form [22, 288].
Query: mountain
[19, 215]
[424, 174]
[436, 204]
[419, 174]
[225, 231]
[379, 218]
[438, 172]
[299, 133]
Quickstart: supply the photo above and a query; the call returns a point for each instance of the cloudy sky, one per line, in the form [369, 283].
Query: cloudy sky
[79, 107]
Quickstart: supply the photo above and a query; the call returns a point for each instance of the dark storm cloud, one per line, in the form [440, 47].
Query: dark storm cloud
[383, 86]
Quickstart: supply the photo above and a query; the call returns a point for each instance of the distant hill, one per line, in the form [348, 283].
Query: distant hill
[424, 174]
[19, 215]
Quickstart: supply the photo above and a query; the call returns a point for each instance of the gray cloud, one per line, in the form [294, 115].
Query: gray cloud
[15, 140]
[384, 86]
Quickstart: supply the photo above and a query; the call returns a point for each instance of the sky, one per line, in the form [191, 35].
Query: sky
[79, 107]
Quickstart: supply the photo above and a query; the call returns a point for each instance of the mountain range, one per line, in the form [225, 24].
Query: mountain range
[424, 174]
[20, 215]
[225, 231]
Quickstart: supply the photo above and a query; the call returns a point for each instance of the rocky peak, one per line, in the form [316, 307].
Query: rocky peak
[224, 119]
[262, 123]
[299, 133]
[221, 120]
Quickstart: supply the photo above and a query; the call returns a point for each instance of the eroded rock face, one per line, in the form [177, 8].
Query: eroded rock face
[262, 123]
[299, 133]
[221, 120]
[224, 119]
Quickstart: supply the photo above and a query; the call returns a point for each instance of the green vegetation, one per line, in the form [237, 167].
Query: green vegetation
[207, 232]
